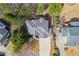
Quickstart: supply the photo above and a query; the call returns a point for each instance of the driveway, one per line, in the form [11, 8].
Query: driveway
[44, 46]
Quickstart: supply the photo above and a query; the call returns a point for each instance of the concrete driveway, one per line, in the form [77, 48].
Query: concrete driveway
[44, 46]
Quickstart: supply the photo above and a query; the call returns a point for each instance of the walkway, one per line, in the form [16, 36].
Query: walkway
[60, 43]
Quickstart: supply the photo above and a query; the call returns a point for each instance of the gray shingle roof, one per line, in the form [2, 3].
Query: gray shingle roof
[3, 32]
[73, 38]
[41, 22]
[73, 41]
[40, 25]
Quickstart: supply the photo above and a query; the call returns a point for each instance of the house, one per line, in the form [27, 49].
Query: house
[40, 29]
[4, 32]
[68, 36]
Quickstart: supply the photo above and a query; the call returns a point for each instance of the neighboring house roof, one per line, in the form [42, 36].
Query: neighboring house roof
[72, 33]
[38, 26]
[3, 32]
[73, 41]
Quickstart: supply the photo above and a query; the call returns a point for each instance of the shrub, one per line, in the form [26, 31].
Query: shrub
[17, 47]
[18, 38]
[55, 8]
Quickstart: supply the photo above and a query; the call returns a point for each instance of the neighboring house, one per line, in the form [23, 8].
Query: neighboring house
[39, 27]
[68, 36]
[4, 32]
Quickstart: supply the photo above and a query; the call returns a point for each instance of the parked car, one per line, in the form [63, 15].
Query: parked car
[2, 53]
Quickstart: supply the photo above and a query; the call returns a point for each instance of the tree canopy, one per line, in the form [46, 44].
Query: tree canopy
[40, 8]
[6, 8]
[55, 8]
[25, 12]
[18, 38]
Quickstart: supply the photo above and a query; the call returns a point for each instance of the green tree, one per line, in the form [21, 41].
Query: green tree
[40, 9]
[13, 19]
[26, 12]
[6, 8]
[18, 38]
[55, 8]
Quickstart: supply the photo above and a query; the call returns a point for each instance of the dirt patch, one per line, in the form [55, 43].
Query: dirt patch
[29, 49]
[74, 51]
[35, 46]
[70, 11]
